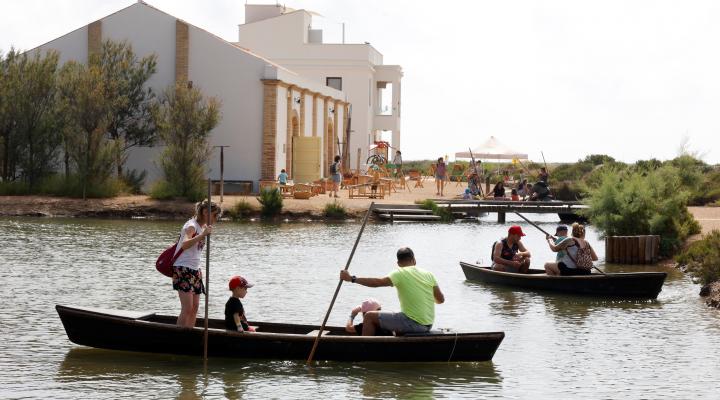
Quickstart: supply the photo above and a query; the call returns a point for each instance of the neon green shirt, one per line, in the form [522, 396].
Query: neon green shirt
[415, 291]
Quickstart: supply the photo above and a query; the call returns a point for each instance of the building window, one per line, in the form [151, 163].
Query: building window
[334, 82]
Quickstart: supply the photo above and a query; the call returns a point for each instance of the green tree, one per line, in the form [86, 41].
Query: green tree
[83, 102]
[32, 88]
[184, 120]
[130, 121]
[7, 120]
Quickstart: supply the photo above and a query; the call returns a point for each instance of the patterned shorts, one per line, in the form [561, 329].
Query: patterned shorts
[187, 279]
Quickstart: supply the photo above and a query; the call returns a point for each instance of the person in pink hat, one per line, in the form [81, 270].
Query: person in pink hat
[509, 254]
[234, 312]
[367, 305]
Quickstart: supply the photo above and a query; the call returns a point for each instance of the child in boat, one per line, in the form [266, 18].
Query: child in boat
[234, 312]
[368, 304]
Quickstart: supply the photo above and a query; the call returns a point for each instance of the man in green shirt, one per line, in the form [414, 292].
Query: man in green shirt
[417, 290]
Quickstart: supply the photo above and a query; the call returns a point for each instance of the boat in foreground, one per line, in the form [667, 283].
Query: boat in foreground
[629, 285]
[151, 332]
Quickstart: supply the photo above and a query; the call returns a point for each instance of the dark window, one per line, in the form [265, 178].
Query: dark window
[334, 82]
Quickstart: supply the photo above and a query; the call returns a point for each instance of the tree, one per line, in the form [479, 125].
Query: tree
[184, 121]
[32, 87]
[87, 109]
[7, 119]
[130, 123]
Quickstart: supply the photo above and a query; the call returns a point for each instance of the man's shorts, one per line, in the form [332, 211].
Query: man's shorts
[400, 323]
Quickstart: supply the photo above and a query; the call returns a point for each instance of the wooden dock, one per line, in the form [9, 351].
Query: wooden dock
[566, 210]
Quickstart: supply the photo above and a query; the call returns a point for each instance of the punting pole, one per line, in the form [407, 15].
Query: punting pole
[337, 290]
[543, 231]
[207, 271]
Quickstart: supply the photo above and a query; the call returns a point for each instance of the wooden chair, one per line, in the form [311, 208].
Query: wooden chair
[458, 175]
[415, 175]
[302, 191]
[268, 185]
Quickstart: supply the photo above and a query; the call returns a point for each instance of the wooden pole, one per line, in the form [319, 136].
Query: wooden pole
[207, 271]
[337, 290]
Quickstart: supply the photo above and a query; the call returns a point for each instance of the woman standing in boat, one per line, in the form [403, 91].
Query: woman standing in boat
[187, 273]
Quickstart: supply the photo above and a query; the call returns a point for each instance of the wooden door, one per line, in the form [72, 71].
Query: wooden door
[306, 158]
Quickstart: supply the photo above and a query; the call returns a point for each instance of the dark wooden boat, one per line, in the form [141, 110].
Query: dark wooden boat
[628, 285]
[150, 332]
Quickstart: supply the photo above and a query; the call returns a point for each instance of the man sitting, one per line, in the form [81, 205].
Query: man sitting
[417, 290]
[509, 254]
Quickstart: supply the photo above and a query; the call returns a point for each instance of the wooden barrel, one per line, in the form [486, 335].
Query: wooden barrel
[616, 250]
[641, 249]
[656, 248]
[622, 248]
[609, 240]
[634, 244]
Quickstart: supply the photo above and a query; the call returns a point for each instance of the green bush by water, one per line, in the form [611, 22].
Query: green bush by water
[335, 210]
[271, 201]
[241, 210]
[702, 258]
[59, 185]
[443, 212]
[162, 190]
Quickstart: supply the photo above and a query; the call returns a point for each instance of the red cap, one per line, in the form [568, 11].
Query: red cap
[239, 281]
[515, 230]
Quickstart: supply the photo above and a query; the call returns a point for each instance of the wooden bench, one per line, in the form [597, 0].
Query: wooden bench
[364, 190]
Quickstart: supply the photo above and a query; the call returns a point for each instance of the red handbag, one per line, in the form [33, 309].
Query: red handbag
[164, 263]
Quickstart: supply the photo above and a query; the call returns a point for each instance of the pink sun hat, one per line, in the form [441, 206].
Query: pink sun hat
[369, 304]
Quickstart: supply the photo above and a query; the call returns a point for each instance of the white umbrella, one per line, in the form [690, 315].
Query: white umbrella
[492, 149]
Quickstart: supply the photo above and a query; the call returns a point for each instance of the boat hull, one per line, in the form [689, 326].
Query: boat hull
[148, 332]
[627, 285]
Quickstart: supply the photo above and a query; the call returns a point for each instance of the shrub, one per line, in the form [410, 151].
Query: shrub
[271, 201]
[702, 258]
[443, 212]
[58, 185]
[335, 210]
[162, 190]
[240, 210]
[134, 180]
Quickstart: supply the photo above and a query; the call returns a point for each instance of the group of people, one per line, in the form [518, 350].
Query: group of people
[510, 255]
[417, 289]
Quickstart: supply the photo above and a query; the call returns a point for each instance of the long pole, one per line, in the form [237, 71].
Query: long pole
[207, 271]
[482, 194]
[547, 234]
[337, 290]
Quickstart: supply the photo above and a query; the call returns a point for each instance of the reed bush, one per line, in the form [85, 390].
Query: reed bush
[61, 186]
[271, 201]
[335, 210]
[443, 212]
[240, 210]
[702, 258]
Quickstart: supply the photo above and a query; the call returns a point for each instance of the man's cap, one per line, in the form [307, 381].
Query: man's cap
[405, 253]
[515, 230]
[561, 228]
[239, 281]
[369, 304]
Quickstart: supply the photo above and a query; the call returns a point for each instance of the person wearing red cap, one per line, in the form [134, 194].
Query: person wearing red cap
[509, 254]
[234, 312]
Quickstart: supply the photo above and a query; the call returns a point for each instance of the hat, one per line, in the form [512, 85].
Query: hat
[515, 230]
[238, 281]
[561, 228]
[369, 305]
[467, 190]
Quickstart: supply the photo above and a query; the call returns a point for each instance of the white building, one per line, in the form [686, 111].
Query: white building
[272, 117]
[286, 37]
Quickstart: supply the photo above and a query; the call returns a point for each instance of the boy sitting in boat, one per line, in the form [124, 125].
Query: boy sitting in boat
[509, 254]
[367, 305]
[234, 312]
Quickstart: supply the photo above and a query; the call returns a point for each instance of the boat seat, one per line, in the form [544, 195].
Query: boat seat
[315, 332]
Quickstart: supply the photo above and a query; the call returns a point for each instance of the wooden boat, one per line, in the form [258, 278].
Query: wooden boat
[631, 285]
[150, 332]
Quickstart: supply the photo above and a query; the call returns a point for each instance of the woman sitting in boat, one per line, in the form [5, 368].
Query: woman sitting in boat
[567, 249]
[509, 254]
[187, 274]
[367, 305]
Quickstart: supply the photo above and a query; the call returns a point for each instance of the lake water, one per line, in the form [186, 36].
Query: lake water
[556, 346]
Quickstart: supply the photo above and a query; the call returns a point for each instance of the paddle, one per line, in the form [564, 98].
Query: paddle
[207, 271]
[476, 173]
[337, 290]
[547, 234]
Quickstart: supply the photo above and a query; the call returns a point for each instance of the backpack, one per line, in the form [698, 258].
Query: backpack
[584, 257]
[164, 263]
[333, 168]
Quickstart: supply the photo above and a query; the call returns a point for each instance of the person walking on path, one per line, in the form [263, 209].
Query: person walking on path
[187, 272]
[336, 176]
[440, 176]
[417, 290]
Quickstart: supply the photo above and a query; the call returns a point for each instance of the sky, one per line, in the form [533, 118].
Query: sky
[633, 79]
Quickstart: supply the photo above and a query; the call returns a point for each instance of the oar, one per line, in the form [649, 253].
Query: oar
[543, 231]
[337, 290]
[207, 272]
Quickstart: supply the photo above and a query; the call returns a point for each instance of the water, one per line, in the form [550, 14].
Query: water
[556, 346]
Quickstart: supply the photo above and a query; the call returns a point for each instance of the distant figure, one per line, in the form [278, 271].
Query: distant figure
[540, 192]
[234, 312]
[366, 306]
[417, 290]
[283, 177]
[187, 273]
[514, 195]
[498, 191]
[336, 176]
[567, 265]
[474, 184]
[522, 189]
[467, 195]
[544, 176]
[509, 254]
[440, 176]
[397, 160]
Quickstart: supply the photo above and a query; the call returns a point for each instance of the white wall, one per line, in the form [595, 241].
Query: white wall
[281, 129]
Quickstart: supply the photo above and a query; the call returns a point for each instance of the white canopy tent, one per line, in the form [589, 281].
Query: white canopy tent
[492, 149]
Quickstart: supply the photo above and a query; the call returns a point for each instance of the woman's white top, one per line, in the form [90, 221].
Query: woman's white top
[572, 249]
[191, 257]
